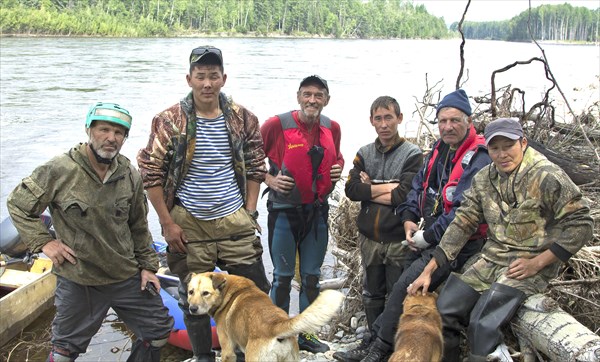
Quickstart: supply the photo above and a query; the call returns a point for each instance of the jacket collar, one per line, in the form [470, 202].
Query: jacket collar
[396, 142]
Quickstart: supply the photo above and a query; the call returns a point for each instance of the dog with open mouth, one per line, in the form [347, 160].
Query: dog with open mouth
[247, 319]
[419, 335]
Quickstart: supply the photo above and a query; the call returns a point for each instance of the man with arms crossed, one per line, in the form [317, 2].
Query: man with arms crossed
[381, 179]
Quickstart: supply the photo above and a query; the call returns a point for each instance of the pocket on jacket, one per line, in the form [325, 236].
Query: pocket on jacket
[523, 222]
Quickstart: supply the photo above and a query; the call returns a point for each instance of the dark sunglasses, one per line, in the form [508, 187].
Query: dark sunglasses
[199, 52]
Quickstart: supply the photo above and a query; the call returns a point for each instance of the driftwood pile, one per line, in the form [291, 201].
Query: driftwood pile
[564, 323]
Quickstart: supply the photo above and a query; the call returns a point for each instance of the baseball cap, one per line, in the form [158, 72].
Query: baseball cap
[206, 50]
[507, 127]
[314, 79]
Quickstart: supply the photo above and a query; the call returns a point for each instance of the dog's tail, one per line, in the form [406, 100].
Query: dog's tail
[314, 317]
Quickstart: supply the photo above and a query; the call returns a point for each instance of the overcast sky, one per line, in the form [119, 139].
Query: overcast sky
[491, 10]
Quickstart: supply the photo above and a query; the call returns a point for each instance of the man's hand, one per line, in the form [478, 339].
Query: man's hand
[58, 252]
[522, 268]
[424, 280]
[410, 230]
[148, 276]
[335, 173]
[175, 238]
[364, 178]
[281, 183]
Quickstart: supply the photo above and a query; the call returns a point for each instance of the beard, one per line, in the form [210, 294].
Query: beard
[101, 155]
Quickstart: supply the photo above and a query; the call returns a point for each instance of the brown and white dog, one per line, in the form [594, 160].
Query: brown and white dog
[419, 336]
[246, 317]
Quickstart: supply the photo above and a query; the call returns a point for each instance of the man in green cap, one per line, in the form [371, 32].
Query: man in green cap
[102, 253]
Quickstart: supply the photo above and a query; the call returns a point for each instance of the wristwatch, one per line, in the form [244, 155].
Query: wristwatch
[254, 214]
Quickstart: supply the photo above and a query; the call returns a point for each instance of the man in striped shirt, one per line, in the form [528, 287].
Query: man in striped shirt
[202, 170]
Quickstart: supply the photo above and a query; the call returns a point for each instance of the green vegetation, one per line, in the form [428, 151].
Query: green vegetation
[329, 18]
[548, 22]
[140, 18]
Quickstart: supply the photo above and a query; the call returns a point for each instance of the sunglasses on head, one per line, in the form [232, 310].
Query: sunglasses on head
[201, 51]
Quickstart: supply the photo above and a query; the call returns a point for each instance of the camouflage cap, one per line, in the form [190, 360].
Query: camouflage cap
[507, 127]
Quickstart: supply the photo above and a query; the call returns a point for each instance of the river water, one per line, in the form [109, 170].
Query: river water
[48, 84]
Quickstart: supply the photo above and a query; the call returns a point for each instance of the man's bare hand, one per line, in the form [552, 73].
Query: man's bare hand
[335, 173]
[364, 178]
[522, 268]
[58, 252]
[148, 276]
[175, 237]
[281, 183]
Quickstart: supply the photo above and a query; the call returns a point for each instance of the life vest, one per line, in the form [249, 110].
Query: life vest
[297, 163]
[461, 159]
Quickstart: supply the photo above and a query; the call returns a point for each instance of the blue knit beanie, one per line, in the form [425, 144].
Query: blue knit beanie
[457, 99]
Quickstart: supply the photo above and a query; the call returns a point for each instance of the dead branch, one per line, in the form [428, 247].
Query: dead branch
[553, 79]
[462, 46]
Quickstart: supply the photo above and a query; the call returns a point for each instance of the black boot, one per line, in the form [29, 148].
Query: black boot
[373, 308]
[255, 272]
[356, 354]
[200, 334]
[142, 351]
[494, 309]
[379, 351]
[455, 302]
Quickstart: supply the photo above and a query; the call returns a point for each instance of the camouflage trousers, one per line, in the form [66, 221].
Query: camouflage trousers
[483, 273]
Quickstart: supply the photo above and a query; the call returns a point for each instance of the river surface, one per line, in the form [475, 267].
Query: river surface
[48, 84]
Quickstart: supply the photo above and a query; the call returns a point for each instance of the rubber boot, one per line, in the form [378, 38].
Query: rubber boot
[200, 334]
[379, 351]
[255, 272]
[143, 351]
[494, 309]
[373, 308]
[455, 302]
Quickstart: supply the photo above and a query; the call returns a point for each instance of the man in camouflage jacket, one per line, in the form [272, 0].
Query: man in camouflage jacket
[202, 169]
[102, 253]
[537, 219]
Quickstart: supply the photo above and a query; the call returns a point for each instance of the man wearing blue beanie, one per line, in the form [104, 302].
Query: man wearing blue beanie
[457, 99]
[436, 193]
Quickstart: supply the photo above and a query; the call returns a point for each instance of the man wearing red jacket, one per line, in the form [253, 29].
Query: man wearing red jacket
[303, 147]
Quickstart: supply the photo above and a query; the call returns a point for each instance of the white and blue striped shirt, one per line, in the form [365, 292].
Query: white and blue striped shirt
[209, 189]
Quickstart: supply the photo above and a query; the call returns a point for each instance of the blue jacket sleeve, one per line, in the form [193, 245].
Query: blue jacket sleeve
[409, 209]
[434, 234]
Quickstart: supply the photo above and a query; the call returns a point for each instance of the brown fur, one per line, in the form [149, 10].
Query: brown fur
[419, 335]
[246, 317]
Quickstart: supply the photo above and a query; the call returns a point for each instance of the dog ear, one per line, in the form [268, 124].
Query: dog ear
[188, 278]
[218, 280]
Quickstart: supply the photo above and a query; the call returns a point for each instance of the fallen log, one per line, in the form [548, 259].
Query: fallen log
[542, 325]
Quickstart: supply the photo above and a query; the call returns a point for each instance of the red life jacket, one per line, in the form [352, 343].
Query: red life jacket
[461, 158]
[297, 163]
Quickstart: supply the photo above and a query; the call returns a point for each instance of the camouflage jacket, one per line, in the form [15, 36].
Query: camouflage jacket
[529, 211]
[166, 159]
[103, 222]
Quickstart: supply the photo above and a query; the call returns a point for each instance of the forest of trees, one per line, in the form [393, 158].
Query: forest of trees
[332, 18]
[548, 22]
[328, 18]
